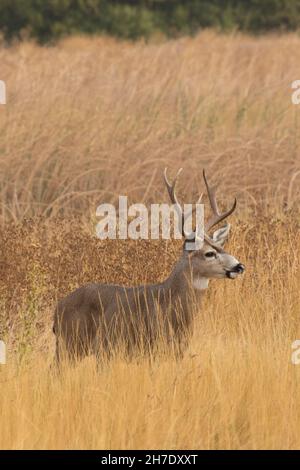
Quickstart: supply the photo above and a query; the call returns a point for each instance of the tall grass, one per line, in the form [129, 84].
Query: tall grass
[91, 119]
[235, 387]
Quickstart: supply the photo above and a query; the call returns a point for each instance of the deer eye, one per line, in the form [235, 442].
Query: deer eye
[210, 254]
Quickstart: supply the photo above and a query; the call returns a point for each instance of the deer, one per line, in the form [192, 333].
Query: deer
[96, 317]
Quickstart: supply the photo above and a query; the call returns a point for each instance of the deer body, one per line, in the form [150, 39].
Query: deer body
[101, 315]
[96, 317]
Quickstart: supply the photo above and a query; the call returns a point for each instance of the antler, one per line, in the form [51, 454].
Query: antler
[217, 216]
[173, 197]
[182, 216]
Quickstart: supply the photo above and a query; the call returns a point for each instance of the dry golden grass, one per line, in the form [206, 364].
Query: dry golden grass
[91, 119]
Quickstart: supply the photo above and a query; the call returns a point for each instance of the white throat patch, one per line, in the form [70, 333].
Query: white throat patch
[201, 283]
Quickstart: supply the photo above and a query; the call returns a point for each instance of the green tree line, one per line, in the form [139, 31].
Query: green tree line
[47, 20]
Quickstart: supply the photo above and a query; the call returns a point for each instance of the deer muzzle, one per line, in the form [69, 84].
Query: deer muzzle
[235, 271]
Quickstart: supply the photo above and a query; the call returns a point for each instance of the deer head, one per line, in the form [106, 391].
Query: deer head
[210, 260]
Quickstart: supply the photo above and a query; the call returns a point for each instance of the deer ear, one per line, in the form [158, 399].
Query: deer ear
[220, 236]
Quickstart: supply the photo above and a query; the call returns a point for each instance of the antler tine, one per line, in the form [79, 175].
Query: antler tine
[211, 192]
[171, 187]
[173, 197]
[217, 216]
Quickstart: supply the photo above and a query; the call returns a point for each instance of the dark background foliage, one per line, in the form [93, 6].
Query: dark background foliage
[47, 20]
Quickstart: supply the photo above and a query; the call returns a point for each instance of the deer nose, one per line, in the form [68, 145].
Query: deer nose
[239, 268]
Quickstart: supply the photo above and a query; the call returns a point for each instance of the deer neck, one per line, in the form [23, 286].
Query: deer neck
[200, 283]
[181, 279]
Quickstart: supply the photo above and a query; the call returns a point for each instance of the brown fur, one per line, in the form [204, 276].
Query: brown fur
[97, 317]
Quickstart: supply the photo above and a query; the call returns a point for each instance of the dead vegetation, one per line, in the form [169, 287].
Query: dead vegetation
[91, 119]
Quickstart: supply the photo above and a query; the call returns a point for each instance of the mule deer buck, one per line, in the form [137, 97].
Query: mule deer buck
[95, 317]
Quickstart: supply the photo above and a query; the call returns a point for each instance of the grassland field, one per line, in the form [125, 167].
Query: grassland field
[92, 118]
